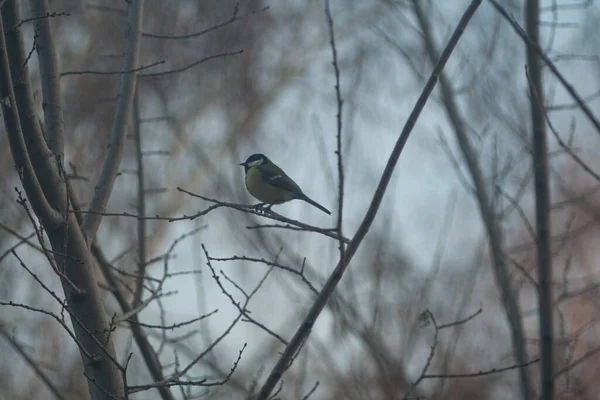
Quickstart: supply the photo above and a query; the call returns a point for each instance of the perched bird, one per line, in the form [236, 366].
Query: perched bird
[269, 184]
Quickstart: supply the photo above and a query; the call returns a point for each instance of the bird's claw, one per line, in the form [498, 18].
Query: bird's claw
[260, 207]
[263, 207]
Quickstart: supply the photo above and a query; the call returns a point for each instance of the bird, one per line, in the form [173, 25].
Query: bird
[269, 184]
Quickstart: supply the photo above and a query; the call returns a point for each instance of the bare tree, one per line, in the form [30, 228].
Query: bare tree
[135, 266]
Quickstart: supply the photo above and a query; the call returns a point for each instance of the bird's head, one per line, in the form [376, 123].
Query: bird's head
[253, 160]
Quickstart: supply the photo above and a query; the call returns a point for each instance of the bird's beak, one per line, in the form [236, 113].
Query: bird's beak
[243, 164]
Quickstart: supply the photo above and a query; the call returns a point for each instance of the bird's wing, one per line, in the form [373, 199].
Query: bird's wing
[276, 177]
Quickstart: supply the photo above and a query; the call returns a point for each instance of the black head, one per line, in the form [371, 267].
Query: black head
[254, 159]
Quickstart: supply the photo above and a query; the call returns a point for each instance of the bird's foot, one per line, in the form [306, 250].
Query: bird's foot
[260, 207]
[263, 207]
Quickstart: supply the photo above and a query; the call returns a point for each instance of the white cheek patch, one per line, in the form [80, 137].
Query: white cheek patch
[253, 163]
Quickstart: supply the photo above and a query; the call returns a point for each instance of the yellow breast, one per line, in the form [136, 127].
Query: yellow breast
[263, 191]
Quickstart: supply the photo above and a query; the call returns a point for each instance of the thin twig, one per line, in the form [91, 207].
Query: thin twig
[242, 310]
[426, 317]
[300, 272]
[482, 373]
[189, 66]
[120, 72]
[338, 151]
[234, 18]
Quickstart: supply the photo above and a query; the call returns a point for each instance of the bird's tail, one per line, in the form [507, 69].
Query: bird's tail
[314, 203]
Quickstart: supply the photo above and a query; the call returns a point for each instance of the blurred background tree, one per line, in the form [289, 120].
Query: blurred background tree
[236, 78]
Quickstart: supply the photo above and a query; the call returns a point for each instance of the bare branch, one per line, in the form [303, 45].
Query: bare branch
[112, 161]
[142, 341]
[234, 17]
[542, 200]
[311, 391]
[22, 240]
[50, 78]
[33, 364]
[483, 373]
[338, 151]
[243, 311]
[141, 202]
[11, 113]
[460, 321]
[191, 65]
[122, 72]
[535, 47]
[175, 378]
[199, 383]
[567, 148]
[300, 272]
[173, 326]
[425, 318]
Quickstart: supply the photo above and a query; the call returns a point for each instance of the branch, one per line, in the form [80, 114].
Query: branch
[300, 272]
[486, 210]
[196, 383]
[482, 373]
[567, 147]
[22, 240]
[13, 110]
[86, 311]
[425, 318]
[148, 353]
[175, 378]
[542, 200]
[33, 364]
[292, 224]
[50, 78]
[120, 72]
[141, 203]
[534, 46]
[112, 162]
[44, 164]
[303, 331]
[191, 65]
[234, 17]
[338, 150]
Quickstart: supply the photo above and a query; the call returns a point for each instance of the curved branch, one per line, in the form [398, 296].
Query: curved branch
[305, 328]
[114, 155]
[50, 78]
[44, 165]
[10, 112]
